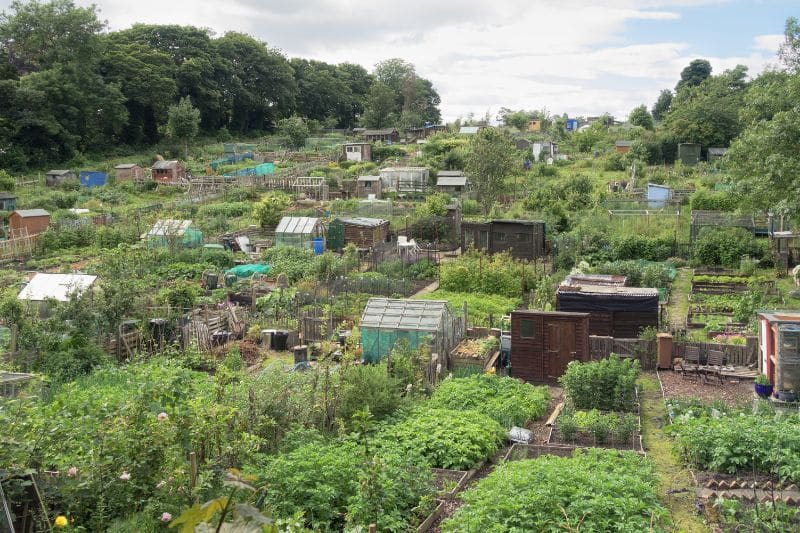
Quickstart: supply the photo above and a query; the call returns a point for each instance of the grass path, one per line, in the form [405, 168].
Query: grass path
[675, 487]
[679, 299]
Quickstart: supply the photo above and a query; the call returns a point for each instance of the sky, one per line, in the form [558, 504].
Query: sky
[578, 57]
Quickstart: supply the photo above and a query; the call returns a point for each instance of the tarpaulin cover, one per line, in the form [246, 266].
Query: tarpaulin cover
[576, 301]
[246, 271]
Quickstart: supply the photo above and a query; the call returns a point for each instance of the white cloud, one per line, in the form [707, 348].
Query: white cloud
[569, 56]
[768, 43]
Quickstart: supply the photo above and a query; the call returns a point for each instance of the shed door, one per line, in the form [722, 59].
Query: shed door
[561, 347]
[483, 240]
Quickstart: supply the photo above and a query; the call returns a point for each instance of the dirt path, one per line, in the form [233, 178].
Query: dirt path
[425, 290]
[678, 304]
[676, 489]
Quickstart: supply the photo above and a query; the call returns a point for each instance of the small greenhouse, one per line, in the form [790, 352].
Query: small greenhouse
[386, 321]
[301, 232]
[173, 233]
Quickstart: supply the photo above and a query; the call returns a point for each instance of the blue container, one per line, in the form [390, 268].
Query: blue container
[319, 245]
[92, 178]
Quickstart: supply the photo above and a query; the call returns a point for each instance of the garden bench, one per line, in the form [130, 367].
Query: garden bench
[690, 364]
[713, 367]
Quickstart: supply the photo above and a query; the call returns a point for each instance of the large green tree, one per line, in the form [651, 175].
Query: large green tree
[184, 122]
[491, 161]
[662, 105]
[640, 116]
[694, 74]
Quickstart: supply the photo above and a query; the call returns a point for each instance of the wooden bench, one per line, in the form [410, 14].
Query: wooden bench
[713, 367]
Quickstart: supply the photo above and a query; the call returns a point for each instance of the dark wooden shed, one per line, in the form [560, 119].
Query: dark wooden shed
[363, 232]
[524, 239]
[543, 343]
[54, 178]
[389, 136]
[619, 312]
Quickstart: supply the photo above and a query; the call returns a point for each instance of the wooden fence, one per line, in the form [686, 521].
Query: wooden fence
[19, 244]
[645, 350]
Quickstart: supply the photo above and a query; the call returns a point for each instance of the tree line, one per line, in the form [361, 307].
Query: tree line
[69, 86]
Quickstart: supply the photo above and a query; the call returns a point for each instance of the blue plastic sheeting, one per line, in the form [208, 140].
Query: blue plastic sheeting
[93, 178]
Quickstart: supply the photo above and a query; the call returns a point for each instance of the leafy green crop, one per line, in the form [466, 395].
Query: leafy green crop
[506, 400]
[446, 438]
[736, 442]
[608, 384]
[596, 490]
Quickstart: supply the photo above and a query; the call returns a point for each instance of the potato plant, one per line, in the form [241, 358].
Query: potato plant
[608, 384]
[505, 400]
[595, 490]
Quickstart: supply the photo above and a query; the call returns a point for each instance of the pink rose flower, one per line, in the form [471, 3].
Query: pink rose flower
[166, 517]
[72, 472]
[162, 416]
[125, 476]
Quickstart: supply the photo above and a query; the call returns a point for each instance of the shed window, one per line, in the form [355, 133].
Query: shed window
[527, 328]
[367, 184]
[523, 237]
[499, 237]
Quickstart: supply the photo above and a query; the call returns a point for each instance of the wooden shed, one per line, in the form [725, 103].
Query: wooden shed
[543, 343]
[30, 221]
[363, 232]
[8, 201]
[128, 171]
[622, 147]
[387, 136]
[619, 312]
[54, 178]
[524, 239]
[451, 181]
[357, 151]
[369, 187]
[168, 171]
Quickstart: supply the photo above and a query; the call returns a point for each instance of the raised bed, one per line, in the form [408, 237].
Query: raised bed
[460, 477]
[474, 352]
[432, 518]
[583, 439]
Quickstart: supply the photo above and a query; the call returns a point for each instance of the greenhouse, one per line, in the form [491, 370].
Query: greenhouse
[174, 233]
[385, 322]
[301, 232]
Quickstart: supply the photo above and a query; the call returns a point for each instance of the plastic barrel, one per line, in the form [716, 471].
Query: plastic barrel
[319, 245]
[279, 340]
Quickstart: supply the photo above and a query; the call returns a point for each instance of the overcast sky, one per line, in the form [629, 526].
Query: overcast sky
[571, 56]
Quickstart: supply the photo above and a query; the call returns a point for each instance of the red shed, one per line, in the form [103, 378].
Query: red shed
[32, 221]
[543, 343]
[168, 171]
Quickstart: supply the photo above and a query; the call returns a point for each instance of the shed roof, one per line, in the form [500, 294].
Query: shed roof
[59, 172]
[450, 181]
[7, 378]
[387, 131]
[609, 280]
[6, 195]
[56, 286]
[364, 222]
[122, 166]
[443, 173]
[416, 315]
[469, 130]
[609, 290]
[369, 178]
[404, 169]
[717, 151]
[362, 143]
[169, 228]
[520, 222]
[785, 317]
[28, 213]
[297, 225]
[623, 143]
[164, 165]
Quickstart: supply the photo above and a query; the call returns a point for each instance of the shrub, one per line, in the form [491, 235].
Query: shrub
[713, 201]
[725, 246]
[506, 400]
[595, 490]
[296, 263]
[608, 384]
[445, 438]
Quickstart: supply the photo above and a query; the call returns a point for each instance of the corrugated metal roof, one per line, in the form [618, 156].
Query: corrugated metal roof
[164, 165]
[297, 225]
[380, 132]
[364, 221]
[450, 181]
[404, 169]
[601, 289]
[595, 279]
[6, 195]
[56, 286]
[717, 151]
[126, 165]
[169, 228]
[415, 315]
[443, 173]
[25, 213]
[470, 130]
[623, 143]
[369, 178]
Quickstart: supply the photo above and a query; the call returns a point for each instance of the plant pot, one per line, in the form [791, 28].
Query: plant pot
[764, 390]
[786, 395]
